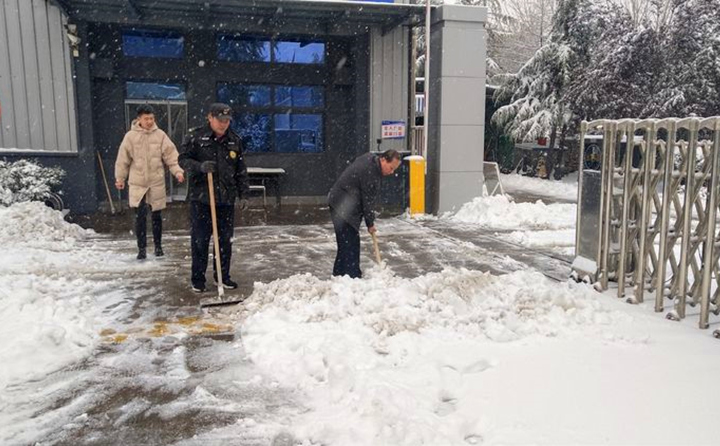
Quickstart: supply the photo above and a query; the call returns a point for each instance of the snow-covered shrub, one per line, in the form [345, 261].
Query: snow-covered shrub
[27, 181]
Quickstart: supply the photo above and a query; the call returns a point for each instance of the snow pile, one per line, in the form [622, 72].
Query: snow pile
[501, 308]
[59, 288]
[562, 240]
[49, 322]
[372, 355]
[47, 307]
[46, 316]
[565, 189]
[500, 213]
[34, 224]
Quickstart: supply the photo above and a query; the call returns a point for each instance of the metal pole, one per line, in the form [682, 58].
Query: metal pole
[170, 132]
[411, 109]
[581, 158]
[607, 202]
[665, 216]
[708, 252]
[628, 187]
[648, 164]
[692, 126]
[426, 115]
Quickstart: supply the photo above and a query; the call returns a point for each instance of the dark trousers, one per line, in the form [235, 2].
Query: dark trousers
[141, 225]
[201, 237]
[347, 260]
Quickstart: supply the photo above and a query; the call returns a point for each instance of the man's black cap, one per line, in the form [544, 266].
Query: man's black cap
[220, 111]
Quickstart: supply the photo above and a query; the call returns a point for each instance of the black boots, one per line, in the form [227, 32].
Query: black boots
[141, 230]
[228, 284]
[142, 252]
[157, 233]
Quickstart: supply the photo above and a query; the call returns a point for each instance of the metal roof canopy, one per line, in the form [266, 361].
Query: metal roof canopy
[207, 13]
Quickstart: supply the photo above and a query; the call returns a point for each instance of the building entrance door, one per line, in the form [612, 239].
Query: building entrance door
[170, 116]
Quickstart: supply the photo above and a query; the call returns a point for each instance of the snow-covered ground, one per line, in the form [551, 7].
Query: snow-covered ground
[565, 189]
[43, 307]
[463, 357]
[454, 357]
[542, 225]
[499, 212]
[57, 290]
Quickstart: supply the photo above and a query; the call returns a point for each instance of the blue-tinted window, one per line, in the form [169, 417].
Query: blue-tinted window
[155, 90]
[148, 43]
[254, 129]
[299, 52]
[298, 133]
[266, 117]
[299, 96]
[240, 95]
[242, 49]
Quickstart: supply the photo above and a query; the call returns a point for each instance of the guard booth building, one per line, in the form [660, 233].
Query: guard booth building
[310, 83]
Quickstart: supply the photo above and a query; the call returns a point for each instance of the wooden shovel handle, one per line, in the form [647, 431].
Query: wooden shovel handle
[376, 248]
[216, 240]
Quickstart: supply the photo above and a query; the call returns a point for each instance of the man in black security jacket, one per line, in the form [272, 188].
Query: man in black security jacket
[215, 148]
[351, 199]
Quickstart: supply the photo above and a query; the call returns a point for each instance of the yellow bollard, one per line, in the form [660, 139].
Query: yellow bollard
[417, 184]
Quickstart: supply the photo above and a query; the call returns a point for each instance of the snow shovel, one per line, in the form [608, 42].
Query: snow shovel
[376, 248]
[107, 188]
[212, 302]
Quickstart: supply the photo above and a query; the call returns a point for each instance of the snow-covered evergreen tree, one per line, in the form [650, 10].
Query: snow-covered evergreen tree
[526, 29]
[535, 94]
[617, 59]
[692, 80]
[621, 76]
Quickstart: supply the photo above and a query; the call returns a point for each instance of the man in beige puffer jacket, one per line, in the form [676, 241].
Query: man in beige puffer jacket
[143, 155]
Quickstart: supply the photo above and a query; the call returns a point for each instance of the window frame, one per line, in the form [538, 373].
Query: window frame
[248, 37]
[273, 40]
[298, 40]
[151, 31]
[154, 81]
[274, 109]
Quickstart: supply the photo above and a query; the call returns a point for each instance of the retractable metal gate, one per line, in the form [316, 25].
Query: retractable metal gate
[648, 218]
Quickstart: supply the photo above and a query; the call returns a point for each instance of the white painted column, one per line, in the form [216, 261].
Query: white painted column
[457, 101]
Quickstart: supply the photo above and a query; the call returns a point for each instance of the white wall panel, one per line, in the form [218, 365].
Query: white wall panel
[37, 92]
[389, 83]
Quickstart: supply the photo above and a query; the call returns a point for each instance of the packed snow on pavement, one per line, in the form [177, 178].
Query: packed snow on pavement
[43, 306]
[464, 357]
[57, 291]
[453, 357]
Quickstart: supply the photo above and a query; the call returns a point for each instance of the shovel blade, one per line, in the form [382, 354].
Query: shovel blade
[221, 302]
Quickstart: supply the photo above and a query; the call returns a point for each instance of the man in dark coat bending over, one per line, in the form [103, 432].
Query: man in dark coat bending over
[351, 199]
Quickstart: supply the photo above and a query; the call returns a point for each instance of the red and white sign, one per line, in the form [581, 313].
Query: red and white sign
[393, 129]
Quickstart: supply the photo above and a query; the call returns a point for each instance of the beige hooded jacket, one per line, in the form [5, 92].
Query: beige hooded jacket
[142, 157]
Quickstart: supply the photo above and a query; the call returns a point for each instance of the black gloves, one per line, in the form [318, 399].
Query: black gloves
[208, 166]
